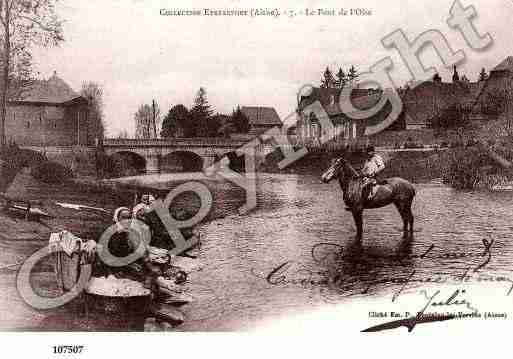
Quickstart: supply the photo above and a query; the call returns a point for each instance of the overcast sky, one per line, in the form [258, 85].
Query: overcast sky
[138, 55]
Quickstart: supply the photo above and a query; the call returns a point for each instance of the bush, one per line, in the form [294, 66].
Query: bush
[472, 168]
[51, 172]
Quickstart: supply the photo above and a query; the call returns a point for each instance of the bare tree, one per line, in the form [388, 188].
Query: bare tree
[147, 118]
[123, 134]
[23, 24]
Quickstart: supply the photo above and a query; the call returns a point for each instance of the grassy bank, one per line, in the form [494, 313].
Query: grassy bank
[461, 167]
[416, 166]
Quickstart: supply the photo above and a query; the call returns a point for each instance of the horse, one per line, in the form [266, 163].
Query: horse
[395, 190]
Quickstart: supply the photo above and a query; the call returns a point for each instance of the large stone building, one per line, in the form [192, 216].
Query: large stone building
[347, 130]
[425, 102]
[49, 114]
[49, 117]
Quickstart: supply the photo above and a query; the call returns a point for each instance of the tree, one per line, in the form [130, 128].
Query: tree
[328, 81]
[341, 79]
[156, 118]
[352, 75]
[240, 121]
[214, 124]
[483, 75]
[143, 122]
[200, 114]
[177, 122]
[146, 119]
[226, 127]
[451, 117]
[496, 103]
[23, 25]
[93, 92]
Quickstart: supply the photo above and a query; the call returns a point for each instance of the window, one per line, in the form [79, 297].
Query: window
[315, 130]
[28, 124]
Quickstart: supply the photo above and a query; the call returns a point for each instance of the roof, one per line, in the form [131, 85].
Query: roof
[361, 99]
[505, 65]
[54, 90]
[423, 103]
[258, 115]
[329, 99]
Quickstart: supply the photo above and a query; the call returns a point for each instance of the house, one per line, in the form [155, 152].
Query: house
[496, 88]
[427, 100]
[48, 114]
[346, 129]
[261, 119]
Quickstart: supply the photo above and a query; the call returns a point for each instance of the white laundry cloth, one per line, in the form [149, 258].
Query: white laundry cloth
[64, 241]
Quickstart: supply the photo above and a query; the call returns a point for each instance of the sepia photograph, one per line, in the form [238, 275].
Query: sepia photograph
[309, 167]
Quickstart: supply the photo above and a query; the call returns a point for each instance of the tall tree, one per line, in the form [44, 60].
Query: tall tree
[93, 92]
[240, 121]
[201, 113]
[146, 119]
[177, 122]
[226, 127]
[23, 24]
[156, 118]
[328, 81]
[352, 75]
[483, 75]
[341, 79]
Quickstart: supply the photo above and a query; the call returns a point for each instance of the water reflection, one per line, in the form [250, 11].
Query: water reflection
[296, 213]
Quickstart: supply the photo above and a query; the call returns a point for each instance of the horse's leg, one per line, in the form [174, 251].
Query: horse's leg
[358, 221]
[410, 218]
[403, 211]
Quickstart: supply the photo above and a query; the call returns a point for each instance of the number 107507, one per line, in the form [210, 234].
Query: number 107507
[68, 349]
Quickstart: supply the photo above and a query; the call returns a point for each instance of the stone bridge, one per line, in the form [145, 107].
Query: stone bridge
[171, 155]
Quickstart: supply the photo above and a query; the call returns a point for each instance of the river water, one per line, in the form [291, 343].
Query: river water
[296, 253]
[302, 228]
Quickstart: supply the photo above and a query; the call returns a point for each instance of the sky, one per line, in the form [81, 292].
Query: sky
[137, 55]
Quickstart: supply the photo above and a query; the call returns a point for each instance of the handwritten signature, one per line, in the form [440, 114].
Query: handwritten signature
[455, 299]
[296, 273]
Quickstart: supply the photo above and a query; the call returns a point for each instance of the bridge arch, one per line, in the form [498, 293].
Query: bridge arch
[181, 161]
[126, 163]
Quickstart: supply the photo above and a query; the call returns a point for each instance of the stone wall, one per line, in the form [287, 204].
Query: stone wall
[80, 159]
[47, 125]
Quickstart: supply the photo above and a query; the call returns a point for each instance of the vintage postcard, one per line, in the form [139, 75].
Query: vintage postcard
[321, 167]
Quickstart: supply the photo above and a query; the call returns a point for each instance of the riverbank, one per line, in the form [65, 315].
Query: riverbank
[415, 166]
[463, 167]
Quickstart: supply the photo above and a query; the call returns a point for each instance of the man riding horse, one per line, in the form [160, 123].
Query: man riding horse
[373, 165]
[361, 190]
